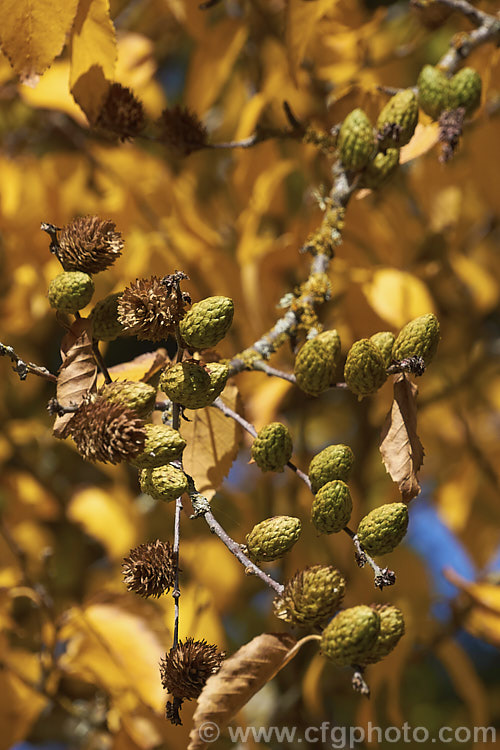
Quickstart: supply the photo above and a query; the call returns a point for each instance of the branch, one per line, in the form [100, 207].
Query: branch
[359, 685]
[286, 326]
[463, 44]
[252, 140]
[300, 474]
[176, 418]
[23, 368]
[478, 17]
[237, 551]
[202, 507]
[261, 134]
[228, 412]
[383, 576]
[259, 364]
[100, 361]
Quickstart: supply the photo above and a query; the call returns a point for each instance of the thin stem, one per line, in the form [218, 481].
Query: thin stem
[287, 325]
[23, 368]
[461, 46]
[201, 507]
[383, 576]
[300, 474]
[100, 361]
[254, 139]
[176, 591]
[228, 412]
[259, 364]
[359, 684]
[237, 551]
[176, 418]
[476, 16]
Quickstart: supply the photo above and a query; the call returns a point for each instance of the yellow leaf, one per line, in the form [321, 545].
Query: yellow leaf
[251, 245]
[212, 443]
[212, 63]
[143, 367]
[115, 648]
[455, 497]
[53, 93]
[33, 33]
[301, 21]
[30, 495]
[215, 556]
[446, 209]
[136, 68]
[397, 296]
[483, 618]
[199, 618]
[109, 517]
[424, 138]
[465, 681]
[23, 704]
[482, 286]
[264, 404]
[93, 55]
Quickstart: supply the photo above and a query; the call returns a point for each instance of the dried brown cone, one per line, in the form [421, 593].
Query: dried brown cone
[182, 131]
[450, 130]
[121, 113]
[88, 244]
[107, 432]
[149, 570]
[187, 666]
[151, 308]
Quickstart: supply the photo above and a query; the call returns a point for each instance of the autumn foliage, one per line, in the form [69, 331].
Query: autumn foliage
[245, 154]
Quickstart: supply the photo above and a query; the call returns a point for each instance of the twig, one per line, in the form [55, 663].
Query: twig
[300, 474]
[100, 361]
[460, 47]
[201, 507]
[228, 412]
[478, 17]
[383, 576]
[286, 326]
[358, 682]
[176, 590]
[252, 140]
[23, 368]
[176, 417]
[237, 551]
[259, 364]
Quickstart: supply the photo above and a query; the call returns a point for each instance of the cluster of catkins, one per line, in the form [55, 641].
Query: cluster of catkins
[359, 635]
[111, 426]
[376, 154]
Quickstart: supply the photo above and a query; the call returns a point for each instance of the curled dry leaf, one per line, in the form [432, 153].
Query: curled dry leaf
[212, 443]
[78, 372]
[401, 449]
[239, 678]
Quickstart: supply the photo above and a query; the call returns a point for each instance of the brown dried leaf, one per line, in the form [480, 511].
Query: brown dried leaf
[212, 443]
[401, 449]
[78, 372]
[239, 678]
